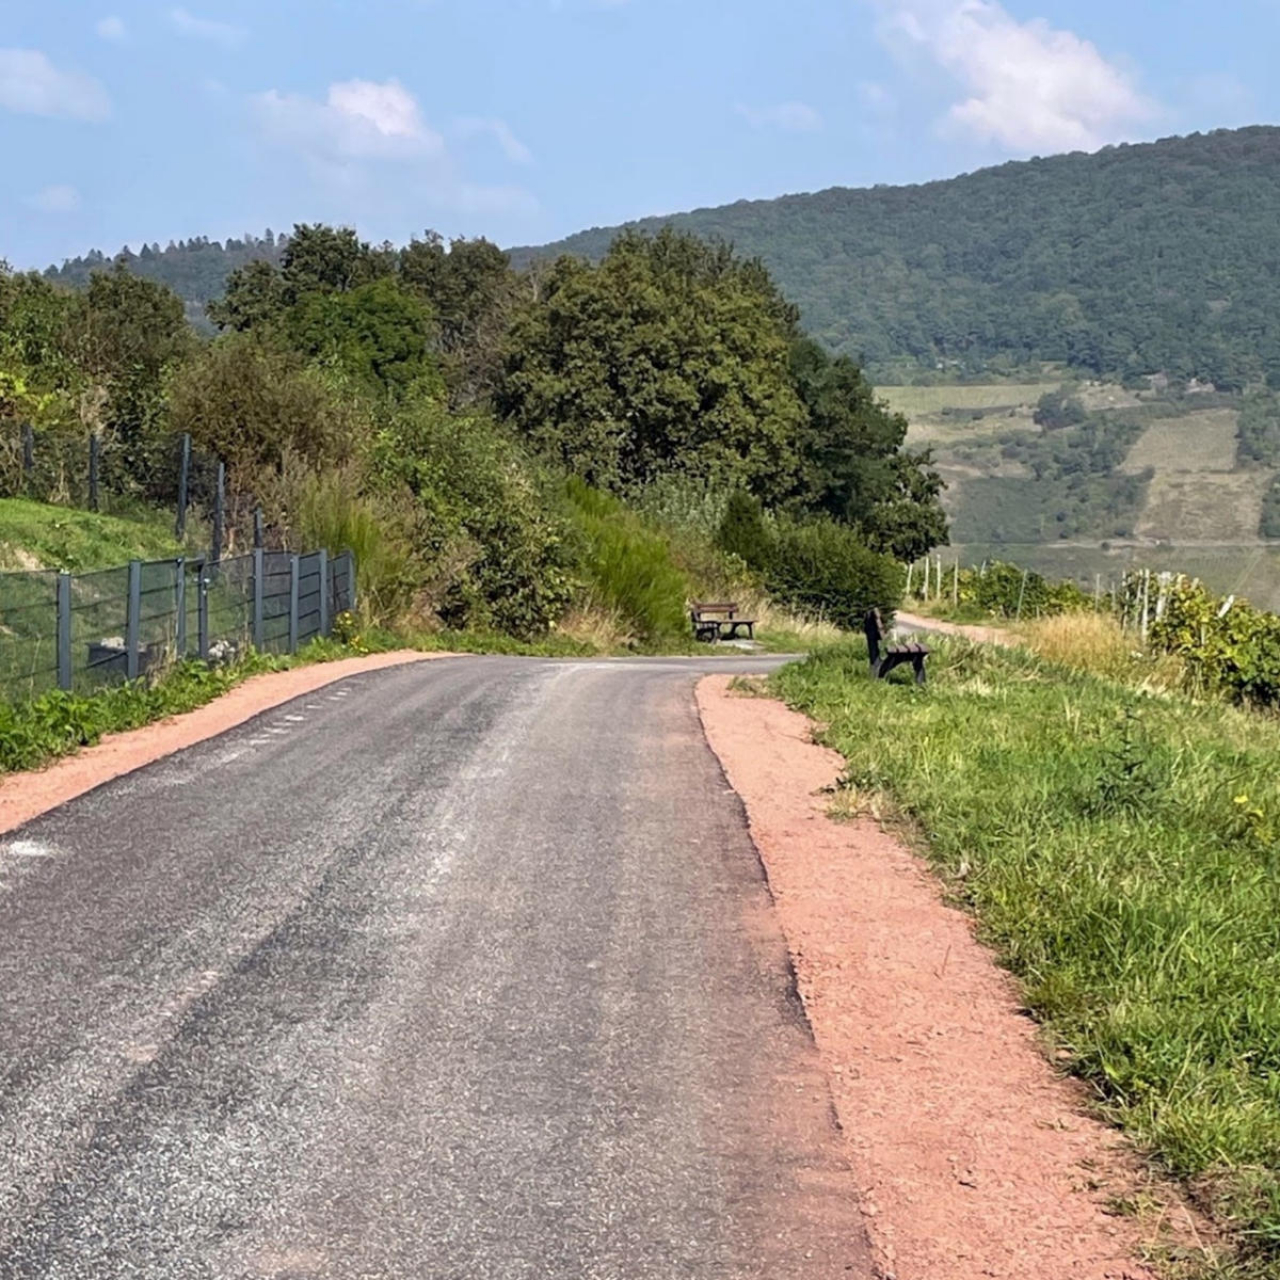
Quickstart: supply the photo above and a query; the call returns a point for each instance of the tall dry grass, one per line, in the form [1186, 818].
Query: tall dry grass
[1096, 643]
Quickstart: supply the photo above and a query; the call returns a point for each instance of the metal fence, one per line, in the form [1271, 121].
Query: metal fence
[82, 630]
[99, 472]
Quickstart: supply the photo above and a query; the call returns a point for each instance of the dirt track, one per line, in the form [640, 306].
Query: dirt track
[973, 1158]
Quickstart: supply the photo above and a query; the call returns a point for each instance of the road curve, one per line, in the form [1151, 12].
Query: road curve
[464, 970]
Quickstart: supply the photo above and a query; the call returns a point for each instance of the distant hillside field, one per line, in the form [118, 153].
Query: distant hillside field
[1145, 480]
[1160, 257]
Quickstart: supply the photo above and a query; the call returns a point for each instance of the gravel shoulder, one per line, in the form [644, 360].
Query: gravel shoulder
[974, 1159]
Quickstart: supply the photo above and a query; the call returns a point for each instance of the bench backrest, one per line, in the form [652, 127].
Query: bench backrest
[874, 630]
[700, 609]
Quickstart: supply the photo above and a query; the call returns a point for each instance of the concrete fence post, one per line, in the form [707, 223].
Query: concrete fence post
[64, 630]
[324, 592]
[180, 606]
[259, 587]
[351, 581]
[202, 609]
[133, 622]
[293, 604]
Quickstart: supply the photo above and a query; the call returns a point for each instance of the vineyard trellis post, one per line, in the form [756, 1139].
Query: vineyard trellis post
[184, 480]
[95, 450]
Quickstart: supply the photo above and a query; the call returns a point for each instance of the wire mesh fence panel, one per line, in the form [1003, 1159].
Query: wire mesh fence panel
[230, 606]
[157, 615]
[308, 597]
[99, 628]
[341, 582]
[139, 619]
[277, 581]
[28, 634]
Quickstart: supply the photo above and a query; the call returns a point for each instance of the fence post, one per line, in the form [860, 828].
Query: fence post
[259, 623]
[134, 619]
[1022, 591]
[259, 537]
[180, 601]
[324, 592]
[95, 446]
[202, 609]
[64, 630]
[219, 513]
[351, 581]
[184, 482]
[28, 453]
[293, 604]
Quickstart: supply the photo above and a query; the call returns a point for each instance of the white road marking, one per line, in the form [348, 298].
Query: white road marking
[28, 849]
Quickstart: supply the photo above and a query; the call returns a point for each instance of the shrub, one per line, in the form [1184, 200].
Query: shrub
[628, 567]
[495, 550]
[744, 533]
[822, 567]
[331, 510]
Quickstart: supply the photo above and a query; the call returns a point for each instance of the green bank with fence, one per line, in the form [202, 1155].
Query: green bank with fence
[81, 631]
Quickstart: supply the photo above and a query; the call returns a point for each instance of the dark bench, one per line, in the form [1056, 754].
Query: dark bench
[884, 657]
[712, 622]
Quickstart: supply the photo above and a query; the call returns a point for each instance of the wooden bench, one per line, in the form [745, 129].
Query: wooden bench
[714, 622]
[884, 657]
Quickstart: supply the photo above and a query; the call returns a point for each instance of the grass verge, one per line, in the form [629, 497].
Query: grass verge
[35, 535]
[1120, 849]
[58, 723]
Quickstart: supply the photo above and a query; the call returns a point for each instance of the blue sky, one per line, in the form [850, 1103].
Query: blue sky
[525, 120]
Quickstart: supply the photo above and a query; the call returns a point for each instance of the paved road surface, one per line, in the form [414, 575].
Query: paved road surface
[459, 970]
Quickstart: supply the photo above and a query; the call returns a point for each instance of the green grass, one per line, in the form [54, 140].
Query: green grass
[58, 724]
[918, 401]
[34, 535]
[1121, 852]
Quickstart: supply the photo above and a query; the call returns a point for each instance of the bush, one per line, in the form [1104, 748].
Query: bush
[1228, 646]
[331, 510]
[495, 551]
[628, 568]
[744, 533]
[823, 568]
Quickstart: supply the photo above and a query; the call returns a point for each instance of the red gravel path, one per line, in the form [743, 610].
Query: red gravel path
[974, 1158]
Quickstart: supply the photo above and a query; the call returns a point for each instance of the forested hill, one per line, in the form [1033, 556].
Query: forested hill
[196, 269]
[1159, 257]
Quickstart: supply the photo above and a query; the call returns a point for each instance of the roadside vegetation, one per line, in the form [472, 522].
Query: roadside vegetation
[39, 535]
[1117, 843]
[540, 458]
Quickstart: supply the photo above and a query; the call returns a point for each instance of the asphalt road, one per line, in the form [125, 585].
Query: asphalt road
[462, 970]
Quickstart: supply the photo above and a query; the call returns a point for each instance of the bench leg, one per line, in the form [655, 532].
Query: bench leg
[918, 663]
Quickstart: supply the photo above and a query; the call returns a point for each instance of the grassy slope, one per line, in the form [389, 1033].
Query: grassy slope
[36, 536]
[1120, 851]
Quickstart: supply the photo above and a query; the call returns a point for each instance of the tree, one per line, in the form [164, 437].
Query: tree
[853, 464]
[671, 355]
[378, 333]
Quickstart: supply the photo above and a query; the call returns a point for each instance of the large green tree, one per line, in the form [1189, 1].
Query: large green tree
[853, 463]
[671, 355]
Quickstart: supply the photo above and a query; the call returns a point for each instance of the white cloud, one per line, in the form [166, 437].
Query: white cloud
[31, 84]
[793, 117]
[359, 120]
[1027, 86]
[369, 141]
[59, 198]
[500, 131]
[111, 28]
[222, 33]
